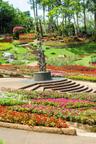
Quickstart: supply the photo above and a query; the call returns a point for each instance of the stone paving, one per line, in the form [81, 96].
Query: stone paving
[14, 83]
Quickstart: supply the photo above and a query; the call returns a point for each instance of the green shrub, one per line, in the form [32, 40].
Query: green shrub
[10, 101]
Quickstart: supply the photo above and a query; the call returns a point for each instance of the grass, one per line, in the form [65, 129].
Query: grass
[5, 46]
[53, 52]
[84, 61]
[81, 53]
[88, 48]
[22, 55]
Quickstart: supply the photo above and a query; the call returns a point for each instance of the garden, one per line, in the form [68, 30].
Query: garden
[69, 47]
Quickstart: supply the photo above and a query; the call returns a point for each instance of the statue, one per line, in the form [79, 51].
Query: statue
[42, 75]
[40, 51]
[41, 58]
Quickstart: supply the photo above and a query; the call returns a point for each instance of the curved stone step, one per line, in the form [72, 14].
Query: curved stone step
[28, 86]
[43, 83]
[72, 89]
[83, 89]
[89, 90]
[35, 87]
[60, 85]
[94, 91]
[54, 82]
[66, 87]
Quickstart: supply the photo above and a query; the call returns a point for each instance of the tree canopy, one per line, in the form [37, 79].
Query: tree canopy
[10, 17]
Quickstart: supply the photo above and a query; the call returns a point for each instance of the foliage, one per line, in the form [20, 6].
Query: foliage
[73, 15]
[5, 46]
[10, 101]
[10, 17]
[21, 54]
[23, 94]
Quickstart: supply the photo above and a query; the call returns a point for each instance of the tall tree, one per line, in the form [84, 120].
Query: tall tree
[92, 8]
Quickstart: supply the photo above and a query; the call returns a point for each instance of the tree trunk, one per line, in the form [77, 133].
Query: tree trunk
[84, 12]
[36, 10]
[44, 14]
[77, 22]
[95, 24]
[75, 25]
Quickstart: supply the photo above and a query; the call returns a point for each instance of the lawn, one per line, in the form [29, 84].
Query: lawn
[77, 55]
[80, 54]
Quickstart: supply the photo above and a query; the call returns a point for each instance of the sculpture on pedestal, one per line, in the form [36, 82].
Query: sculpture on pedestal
[42, 75]
[41, 58]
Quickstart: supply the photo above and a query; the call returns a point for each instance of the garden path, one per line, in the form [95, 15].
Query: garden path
[13, 136]
[14, 83]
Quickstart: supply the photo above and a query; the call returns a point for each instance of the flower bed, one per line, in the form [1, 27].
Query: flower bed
[83, 77]
[30, 119]
[25, 38]
[23, 94]
[55, 109]
[74, 69]
[74, 72]
[16, 70]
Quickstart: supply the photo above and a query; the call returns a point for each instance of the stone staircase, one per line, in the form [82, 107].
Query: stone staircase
[62, 85]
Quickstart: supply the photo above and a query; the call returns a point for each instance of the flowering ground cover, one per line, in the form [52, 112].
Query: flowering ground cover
[33, 119]
[83, 77]
[74, 69]
[73, 72]
[25, 38]
[49, 109]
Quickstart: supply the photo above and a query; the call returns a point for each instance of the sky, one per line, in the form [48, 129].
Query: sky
[20, 4]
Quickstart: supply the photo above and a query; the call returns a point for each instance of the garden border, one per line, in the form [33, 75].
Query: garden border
[86, 127]
[66, 131]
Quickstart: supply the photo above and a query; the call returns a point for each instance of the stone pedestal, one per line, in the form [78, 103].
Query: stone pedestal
[42, 76]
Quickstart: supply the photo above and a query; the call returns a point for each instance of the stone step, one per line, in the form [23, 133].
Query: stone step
[53, 81]
[43, 83]
[72, 89]
[66, 87]
[56, 83]
[35, 87]
[62, 87]
[94, 91]
[28, 86]
[81, 89]
[59, 85]
[89, 90]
